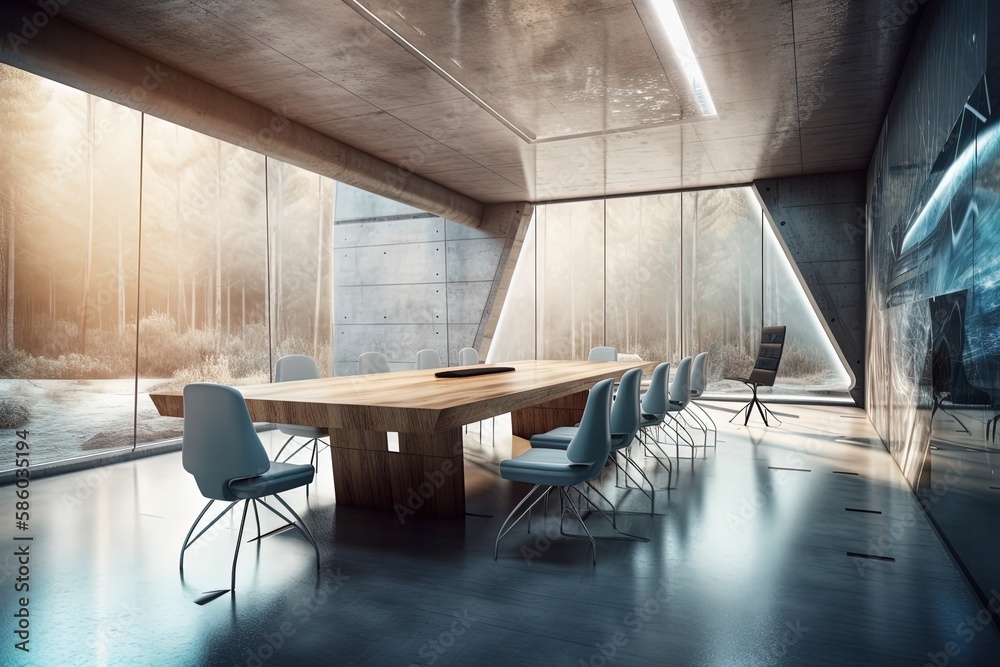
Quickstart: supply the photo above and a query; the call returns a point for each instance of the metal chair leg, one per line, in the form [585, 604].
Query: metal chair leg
[239, 538]
[572, 506]
[298, 524]
[188, 542]
[290, 438]
[505, 528]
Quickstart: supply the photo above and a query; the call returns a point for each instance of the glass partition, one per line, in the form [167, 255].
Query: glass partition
[69, 207]
[660, 277]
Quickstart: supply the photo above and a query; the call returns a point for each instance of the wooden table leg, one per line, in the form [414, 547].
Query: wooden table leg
[426, 476]
[565, 411]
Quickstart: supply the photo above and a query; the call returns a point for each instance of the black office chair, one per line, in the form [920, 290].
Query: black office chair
[772, 340]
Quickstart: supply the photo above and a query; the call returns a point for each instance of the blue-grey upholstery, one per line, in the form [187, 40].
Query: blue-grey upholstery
[219, 442]
[581, 461]
[221, 449]
[654, 401]
[625, 418]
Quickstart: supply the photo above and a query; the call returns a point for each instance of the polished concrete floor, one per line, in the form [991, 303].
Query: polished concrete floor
[747, 563]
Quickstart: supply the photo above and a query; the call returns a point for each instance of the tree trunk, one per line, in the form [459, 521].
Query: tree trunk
[739, 268]
[89, 250]
[194, 302]
[181, 306]
[218, 252]
[121, 281]
[8, 328]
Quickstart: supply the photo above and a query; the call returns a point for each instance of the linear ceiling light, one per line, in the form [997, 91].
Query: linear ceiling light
[670, 19]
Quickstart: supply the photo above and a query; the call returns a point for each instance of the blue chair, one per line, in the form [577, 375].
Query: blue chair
[625, 424]
[548, 469]
[679, 397]
[699, 381]
[290, 368]
[220, 448]
[654, 411]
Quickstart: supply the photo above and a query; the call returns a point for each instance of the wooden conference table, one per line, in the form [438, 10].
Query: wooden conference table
[426, 476]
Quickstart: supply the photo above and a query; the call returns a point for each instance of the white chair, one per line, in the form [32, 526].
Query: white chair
[468, 356]
[290, 368]
[603, 354]
[373, 362]
[428, 359]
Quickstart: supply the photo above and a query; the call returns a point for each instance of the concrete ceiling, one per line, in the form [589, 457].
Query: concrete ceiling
[800, 86]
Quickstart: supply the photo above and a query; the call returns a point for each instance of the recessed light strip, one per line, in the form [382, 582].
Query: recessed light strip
[670, 19]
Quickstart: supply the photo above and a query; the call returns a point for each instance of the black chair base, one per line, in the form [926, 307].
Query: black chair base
[754, 402]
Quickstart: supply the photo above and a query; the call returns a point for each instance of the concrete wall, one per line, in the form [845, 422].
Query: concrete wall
[407, 280]
[821, 221]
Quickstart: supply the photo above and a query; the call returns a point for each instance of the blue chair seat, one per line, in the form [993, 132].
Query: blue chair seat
[650, 420]
[280, 477]
[304, 431]
[559, 438]
[549, 467]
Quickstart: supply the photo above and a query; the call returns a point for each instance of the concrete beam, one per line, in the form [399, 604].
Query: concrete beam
[36, 39]
[511, 221]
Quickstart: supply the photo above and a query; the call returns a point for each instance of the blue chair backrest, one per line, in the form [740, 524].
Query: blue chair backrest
[592, 442]
[680, 389]
[655, 400]
[219, 443]
[699, 377]
[625, 413]
[295, 367]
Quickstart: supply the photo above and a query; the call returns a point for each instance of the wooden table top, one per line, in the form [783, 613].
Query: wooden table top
[414, 401]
